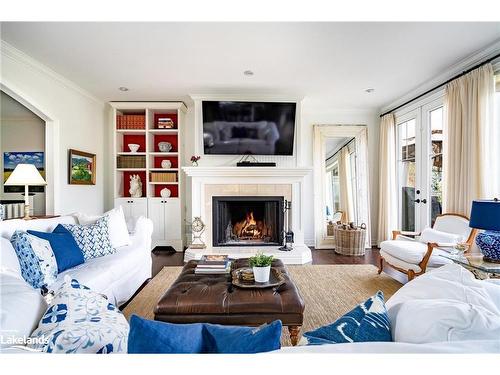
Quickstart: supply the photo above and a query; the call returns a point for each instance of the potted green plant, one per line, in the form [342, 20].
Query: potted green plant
[261, 265]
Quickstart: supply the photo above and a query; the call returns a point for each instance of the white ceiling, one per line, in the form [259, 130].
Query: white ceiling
[329, 63]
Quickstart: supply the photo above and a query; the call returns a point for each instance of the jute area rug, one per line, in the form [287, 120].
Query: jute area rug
[329, 291]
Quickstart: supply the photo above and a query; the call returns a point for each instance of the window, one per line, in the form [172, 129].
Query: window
[407, 173]
[420, 165]
[436, 162]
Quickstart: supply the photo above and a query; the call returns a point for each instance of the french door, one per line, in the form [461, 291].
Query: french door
[419, 166]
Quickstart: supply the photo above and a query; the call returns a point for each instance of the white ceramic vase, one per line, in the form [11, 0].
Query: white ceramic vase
[166, 164]
[165, 193]
[261, 274]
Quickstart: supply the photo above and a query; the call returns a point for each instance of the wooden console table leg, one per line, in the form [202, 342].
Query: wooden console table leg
[294, 334]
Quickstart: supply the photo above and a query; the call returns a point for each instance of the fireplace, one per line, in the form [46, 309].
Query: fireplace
[247, 221]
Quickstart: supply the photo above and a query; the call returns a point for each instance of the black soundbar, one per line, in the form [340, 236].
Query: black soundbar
[255, 164]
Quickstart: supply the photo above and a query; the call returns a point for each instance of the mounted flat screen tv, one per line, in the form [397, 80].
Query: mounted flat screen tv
[248, 128]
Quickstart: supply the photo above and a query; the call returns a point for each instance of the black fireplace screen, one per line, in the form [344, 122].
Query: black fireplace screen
[247, 221]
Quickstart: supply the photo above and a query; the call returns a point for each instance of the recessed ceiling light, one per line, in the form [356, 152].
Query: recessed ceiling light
[369, 90]
[248, 73]
[123, 88]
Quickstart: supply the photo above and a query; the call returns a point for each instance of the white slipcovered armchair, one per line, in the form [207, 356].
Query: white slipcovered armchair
[413, 256]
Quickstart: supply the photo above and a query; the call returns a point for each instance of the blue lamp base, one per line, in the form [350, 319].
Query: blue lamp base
[489, 244]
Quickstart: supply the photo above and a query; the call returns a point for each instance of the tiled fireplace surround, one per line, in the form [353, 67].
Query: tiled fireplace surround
[259, 181]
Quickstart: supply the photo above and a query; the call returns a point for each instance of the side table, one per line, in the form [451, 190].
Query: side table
[480, 268]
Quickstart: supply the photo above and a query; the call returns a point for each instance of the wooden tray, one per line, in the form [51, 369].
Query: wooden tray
[276, 279]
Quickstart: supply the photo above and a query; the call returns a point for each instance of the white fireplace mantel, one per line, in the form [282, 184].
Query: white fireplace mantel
[293, 178]
[246, 172]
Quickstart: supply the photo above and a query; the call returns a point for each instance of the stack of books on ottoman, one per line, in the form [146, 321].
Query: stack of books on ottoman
[213, 264]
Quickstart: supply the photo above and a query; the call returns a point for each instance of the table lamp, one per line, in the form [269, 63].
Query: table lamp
[485, 214]
[25, 174]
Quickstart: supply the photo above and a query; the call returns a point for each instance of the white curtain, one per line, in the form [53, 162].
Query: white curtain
[471, 156]
[345, 179]
[387, 199]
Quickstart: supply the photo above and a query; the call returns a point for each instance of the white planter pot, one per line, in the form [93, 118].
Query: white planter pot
[261, 274]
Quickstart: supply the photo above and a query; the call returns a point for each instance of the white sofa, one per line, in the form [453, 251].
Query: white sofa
[118, 276]
[451, 312]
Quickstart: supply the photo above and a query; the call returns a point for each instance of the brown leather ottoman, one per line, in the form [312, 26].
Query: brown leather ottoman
[213, 299]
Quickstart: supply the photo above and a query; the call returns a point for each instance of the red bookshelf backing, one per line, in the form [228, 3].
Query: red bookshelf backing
[126, 182]
[173, 116]
[134, 138]
[172, 138]
[173, 160]
[173, 188]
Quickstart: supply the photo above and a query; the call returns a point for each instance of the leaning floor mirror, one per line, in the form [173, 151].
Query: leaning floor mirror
[341, 183]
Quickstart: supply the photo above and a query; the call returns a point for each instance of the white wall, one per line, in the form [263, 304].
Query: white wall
[80, 118]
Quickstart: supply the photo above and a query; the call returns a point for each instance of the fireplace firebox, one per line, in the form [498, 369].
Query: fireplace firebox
[247, 221]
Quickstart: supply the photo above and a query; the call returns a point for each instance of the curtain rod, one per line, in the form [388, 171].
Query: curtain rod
[442, 84]
[336, 152]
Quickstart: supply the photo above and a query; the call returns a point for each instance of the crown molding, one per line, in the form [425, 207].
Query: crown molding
[9, 51]
[241, 96]
[452, 71]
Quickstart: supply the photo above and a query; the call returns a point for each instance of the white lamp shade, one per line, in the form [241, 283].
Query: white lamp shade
[25, 174]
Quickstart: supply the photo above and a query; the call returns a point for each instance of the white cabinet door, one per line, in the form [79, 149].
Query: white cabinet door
[157, 215]
[125, 203]
[139, 207]
[133, 208]
[173, 222]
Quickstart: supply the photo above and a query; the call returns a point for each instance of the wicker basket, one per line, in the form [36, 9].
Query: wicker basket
[126, 161]
[349, 241]
[163, 177]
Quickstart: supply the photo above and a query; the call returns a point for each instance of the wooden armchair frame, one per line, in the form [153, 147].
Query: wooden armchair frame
[430, 247]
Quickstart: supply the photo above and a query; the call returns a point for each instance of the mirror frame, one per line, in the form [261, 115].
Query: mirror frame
[321, 134]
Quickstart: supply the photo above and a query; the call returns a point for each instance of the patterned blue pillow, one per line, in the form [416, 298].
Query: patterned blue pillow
[36, 258]
[93, 239]
[80, 320]
[366, 322]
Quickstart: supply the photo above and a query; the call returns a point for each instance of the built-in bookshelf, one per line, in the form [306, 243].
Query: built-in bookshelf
[156, 129]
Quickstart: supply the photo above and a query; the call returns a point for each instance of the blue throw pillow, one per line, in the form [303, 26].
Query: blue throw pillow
[153, 337]
[93, 239]
[36, 259]
[66, 251]
[366, 322]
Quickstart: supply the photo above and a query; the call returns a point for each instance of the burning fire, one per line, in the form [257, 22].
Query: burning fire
[250, 229]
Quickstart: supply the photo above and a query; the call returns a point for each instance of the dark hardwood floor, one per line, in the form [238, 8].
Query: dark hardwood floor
[166, 258]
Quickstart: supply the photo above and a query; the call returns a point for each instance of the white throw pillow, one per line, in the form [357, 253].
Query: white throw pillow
[21, 309]
[118, 232]
[8, 258]
[432, 235]
[426, 321]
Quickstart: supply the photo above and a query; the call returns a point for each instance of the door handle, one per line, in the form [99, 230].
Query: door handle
[417, 200]
[424, 201]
